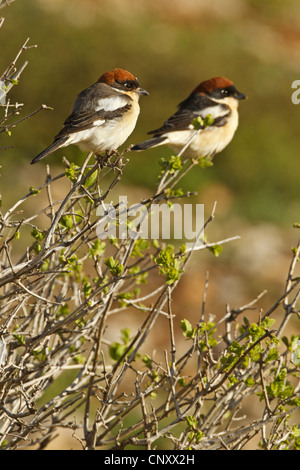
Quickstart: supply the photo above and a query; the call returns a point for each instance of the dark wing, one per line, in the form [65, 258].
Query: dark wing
[93, 106]
[88, 108]
[191, 108]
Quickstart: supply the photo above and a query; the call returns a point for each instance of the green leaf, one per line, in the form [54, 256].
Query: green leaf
[62, 311]
[91, 179]
[20, 339]
[188, 330]
[182, 249]
[182, 382]
[250, 381]
[280, 387]
[139, 246]
[228, 361]
[236, 349]
[155, 376]
[38, 248]
[192, 422]
[66, 222]
[285, 341]
[205, 162]
[97, 249]
[125, 296]
[176, 193]
[113, 241]
[207, 330]
[198, 123]
[75, 263]
[216, 250]
[208, 120]
[139, 279]
[33, 191]
[40, 354]
[267, 323]
[255, 331]
[173, 275]
[110, 262]
[79, 359]
[125, 335]
[199, 435]
[147, 361]
[80, 323]
[255, 353]
[172, 163]
[232, 380]
[72, 172]
[117, 350]
[169, 265]
[114, 267]
[45, 265]
[37, 234]
[273, 355]
[87, 288]
[155, 244]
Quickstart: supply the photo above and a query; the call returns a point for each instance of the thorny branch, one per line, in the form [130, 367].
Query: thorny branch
[54, 319]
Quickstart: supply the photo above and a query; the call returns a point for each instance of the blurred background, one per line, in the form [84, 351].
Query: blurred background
[171, 46]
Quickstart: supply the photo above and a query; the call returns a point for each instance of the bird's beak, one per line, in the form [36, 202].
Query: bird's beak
[141, 91]
[240, 96]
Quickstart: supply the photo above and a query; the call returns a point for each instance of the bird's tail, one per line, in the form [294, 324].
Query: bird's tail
[54, 146]
[154, 142]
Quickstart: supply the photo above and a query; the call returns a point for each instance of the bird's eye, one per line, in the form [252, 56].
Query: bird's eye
[129, 86]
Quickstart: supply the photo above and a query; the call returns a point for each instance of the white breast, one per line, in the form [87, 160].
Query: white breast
[107, 135]
[208, 142]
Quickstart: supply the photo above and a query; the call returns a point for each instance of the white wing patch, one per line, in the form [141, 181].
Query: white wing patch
[99, 122]
[215, 111]
[112, 103]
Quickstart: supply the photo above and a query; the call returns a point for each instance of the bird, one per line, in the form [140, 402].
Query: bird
[217, 98]
[103, 115]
